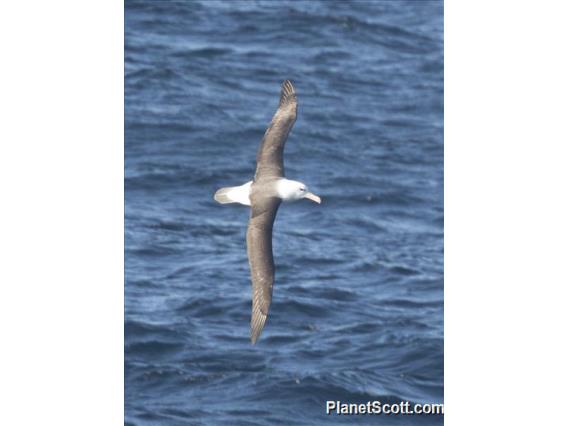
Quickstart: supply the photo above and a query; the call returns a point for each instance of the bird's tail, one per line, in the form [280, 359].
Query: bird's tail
[223, 195]
[234, 194]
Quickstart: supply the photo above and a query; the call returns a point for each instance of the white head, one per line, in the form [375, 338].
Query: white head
[292, 190]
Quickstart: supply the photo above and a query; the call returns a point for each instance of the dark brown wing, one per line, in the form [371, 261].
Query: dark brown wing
[269, 159]
[259, 249]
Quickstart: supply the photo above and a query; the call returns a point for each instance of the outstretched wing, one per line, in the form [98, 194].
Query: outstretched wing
[261, 261]
[269, 159]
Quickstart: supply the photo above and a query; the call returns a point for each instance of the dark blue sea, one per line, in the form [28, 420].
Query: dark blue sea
[357, 312]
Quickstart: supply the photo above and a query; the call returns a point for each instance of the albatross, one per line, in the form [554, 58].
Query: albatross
[264, 195]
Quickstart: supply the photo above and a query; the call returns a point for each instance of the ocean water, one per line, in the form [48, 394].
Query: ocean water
[357, 312]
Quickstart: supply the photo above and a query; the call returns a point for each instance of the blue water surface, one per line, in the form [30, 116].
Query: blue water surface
[357, 313]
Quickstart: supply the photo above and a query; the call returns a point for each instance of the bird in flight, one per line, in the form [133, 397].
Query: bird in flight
[264, 195]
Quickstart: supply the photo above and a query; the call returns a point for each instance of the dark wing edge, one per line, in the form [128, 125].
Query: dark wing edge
[269, 159]
[261, 261]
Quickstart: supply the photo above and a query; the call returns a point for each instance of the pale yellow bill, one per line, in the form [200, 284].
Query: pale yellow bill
[313, 197]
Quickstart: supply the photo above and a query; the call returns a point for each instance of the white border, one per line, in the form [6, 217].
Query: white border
[506, 193]
[61, 224]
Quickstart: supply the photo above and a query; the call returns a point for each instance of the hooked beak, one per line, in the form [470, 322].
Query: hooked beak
[313, 197]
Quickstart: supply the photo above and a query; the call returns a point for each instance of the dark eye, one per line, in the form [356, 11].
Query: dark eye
[302, 189]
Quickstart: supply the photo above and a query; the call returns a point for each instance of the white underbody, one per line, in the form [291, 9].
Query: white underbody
[286, 189]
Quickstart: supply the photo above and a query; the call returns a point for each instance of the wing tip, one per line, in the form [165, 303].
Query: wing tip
[257, 323]
[287, 93]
